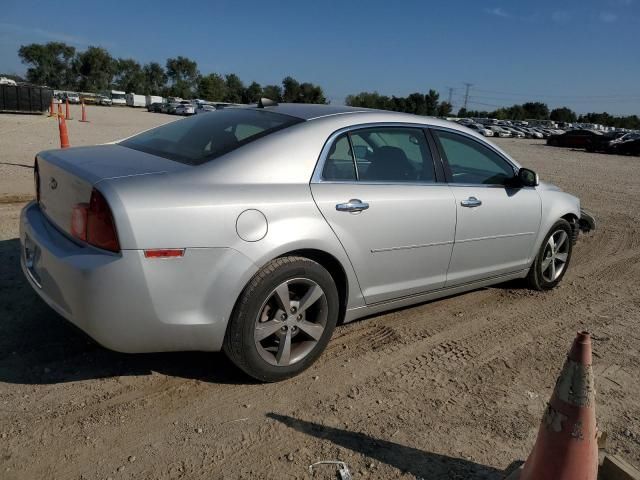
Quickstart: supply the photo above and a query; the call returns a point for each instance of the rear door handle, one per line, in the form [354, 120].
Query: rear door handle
[353, 205]
[471, 202]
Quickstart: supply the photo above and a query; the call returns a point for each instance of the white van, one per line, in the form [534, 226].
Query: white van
[118, 97]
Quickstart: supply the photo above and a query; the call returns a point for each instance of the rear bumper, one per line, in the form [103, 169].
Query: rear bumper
[129, 303]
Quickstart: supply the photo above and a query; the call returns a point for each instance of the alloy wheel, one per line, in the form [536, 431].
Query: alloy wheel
[291, 321]
[555, 256]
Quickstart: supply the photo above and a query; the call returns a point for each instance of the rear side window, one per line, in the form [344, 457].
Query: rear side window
[202, 138]
[339, 165]
[386, 154]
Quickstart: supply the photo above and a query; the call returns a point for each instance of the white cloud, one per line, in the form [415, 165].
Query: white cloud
[498, 12]
[10, 28]
[608, 17]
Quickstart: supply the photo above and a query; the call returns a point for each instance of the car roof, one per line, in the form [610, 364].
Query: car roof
[309, 111]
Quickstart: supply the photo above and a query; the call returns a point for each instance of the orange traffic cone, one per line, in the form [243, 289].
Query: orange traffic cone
[51, 111]
[567, 447]
[84, 113]
[67, 115]
[59, 110]
[64, 134]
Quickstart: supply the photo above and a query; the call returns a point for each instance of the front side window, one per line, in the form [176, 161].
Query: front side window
[392, 154]
[471, 162]
[202, 138]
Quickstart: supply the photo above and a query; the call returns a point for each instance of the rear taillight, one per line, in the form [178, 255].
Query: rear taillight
[36, 179]
[93, 223]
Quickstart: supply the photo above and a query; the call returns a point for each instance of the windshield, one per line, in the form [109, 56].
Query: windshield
[117, 96]
[202, 138]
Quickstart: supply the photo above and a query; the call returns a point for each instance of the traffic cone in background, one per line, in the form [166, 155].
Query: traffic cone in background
[64, 134]
[67, 115]
[84, 113]
[59, 110]
[567, 446]
[51, 111]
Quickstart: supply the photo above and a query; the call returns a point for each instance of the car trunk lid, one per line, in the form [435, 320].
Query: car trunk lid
[68, 176]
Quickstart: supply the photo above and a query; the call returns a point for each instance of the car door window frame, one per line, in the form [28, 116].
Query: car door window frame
[439, 172]
[438, 153]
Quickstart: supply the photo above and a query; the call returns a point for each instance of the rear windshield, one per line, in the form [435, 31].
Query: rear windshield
[202, 138]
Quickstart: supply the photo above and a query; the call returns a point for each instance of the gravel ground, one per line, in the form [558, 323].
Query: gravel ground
[449, 389]
[25, 135]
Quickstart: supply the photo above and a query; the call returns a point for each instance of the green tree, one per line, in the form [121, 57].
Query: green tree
[129, 76]
[563, 114]
[416, 103]
[183, 73]
[431, 103]
[296, 92]
[445, 109]
[155, 78]
[51, 64]
[290, 90]
[95, 68]
[536, 110]
[272, 92]
[252, 93]
[234, 88]
[369, 100]
[212, 87]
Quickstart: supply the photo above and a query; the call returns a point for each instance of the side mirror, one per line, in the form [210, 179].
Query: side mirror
[528, 178]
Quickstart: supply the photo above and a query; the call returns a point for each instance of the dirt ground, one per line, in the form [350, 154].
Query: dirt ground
[450, 389]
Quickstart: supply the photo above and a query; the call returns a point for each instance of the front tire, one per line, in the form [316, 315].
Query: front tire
[283, 319]
[553, 258]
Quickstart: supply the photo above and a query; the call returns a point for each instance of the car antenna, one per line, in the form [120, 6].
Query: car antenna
[266, 102]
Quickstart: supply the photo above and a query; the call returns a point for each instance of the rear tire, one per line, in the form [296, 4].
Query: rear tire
[553, 258]
[283, 319]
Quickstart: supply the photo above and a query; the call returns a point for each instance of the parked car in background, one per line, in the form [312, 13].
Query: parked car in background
[515, 132]
[499, 131]
[170, 107]
[72, 97]
[481, 129]
[185, 108]
[256, 230]
[104, 100]
[603, 143]
[574, 139]
[155, 107]
[204, 108]
[627, 147]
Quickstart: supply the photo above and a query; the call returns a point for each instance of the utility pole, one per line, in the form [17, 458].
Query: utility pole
[450, 95]
[466, 94]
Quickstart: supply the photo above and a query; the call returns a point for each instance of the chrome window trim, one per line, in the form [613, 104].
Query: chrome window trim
[317, 172]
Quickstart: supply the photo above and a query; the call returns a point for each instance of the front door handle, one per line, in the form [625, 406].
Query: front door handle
[353, 205]
[471, 202]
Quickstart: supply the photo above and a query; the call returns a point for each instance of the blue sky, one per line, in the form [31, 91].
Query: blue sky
[584, 53]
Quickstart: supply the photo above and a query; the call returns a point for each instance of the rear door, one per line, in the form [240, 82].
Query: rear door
[379, 190]
[497, 224]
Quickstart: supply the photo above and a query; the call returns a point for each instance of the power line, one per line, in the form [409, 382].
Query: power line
[512, 94]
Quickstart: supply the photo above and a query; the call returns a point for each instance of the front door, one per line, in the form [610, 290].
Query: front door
[497, 224]
[395, 221]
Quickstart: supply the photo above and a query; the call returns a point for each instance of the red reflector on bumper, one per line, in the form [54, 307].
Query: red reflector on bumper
[164, 253]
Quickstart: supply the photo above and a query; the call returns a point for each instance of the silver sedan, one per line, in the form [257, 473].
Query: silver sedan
[256, 230]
